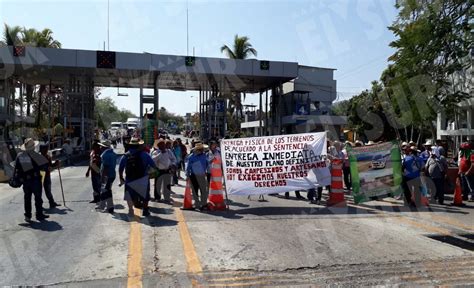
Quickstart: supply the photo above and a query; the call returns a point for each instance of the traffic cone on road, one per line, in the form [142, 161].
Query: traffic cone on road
[457, 200]
[216, 191]
[188, 198]
[336, 194]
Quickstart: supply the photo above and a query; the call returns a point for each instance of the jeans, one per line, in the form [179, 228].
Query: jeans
[106, 198]
[199, 183]
[163, 185]
[467, 184]
[33, 187]
[47, 189]
[412, 187]
[439, 186]
[96, 185]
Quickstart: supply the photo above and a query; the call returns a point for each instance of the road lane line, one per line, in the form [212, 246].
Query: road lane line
[406, 219]
[192, 259]
[135, 270]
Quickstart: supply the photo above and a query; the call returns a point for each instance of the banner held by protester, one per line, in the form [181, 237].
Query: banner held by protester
[375, 171]
[275, 164]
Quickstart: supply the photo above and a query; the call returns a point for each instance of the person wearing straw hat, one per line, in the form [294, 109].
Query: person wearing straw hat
[412, 166]
[107, 174]
[436, 168]
[164, 159]
[136, 164]
[196, 171]
[94, 171]
[426, 154]
[28, 167]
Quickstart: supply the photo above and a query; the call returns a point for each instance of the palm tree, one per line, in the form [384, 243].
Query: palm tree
[29, 37]
[11, 36]
[44, 39]
[242, 49]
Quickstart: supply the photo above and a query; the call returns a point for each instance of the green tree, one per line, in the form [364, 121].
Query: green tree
[11, 35]
[106, 112]
[44, 39]
[241, 49]
[434, 39]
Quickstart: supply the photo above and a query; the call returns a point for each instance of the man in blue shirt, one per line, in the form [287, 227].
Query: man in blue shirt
[196, 170]
[107, 174]
[136, 164]
[411, 183]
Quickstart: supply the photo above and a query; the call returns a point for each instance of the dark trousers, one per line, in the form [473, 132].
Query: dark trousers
[47, 188]
[297, 193]
[439, 187]
[33, 187]
[95, 179]
[199, 183]
[411, 186]
[312, 194]
[347, 177]
[106, 197]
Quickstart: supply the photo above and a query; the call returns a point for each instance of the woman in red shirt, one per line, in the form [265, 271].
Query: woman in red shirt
[466, 171]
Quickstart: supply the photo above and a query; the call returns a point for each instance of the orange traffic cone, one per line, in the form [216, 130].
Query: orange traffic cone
[188, 198]
[457, 201]
[216, 193]
[336, 194]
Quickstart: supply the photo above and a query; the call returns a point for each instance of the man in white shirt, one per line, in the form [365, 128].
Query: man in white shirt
[67, 148]
[164, 160]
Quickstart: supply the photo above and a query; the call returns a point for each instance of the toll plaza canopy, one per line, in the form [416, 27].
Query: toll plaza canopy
[142, 70]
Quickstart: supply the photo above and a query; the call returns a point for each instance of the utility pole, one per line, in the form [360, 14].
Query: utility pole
[108, 25]
[187, 29]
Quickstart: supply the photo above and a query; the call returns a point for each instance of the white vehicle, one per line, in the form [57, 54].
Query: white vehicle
[132, 123]
[116, 125]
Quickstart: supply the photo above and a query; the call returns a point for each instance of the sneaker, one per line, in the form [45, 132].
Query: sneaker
[41, 217]
[146, 213]
[27, 219]
[110, 210]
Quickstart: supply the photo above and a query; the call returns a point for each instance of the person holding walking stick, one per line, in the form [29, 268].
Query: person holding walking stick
[47, 177]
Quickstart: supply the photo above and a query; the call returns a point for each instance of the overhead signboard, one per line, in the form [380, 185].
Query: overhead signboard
[190, 60]
[106, 59]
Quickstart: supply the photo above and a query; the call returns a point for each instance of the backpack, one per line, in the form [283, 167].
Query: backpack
[135, 169]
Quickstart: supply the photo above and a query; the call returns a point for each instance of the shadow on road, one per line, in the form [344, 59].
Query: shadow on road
[152, 220]
[58, 211]
[48, 226]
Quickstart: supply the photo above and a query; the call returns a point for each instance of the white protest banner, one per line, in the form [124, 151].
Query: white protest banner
[275, 164]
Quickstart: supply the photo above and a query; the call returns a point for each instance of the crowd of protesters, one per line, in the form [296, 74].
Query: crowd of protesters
[424, 172]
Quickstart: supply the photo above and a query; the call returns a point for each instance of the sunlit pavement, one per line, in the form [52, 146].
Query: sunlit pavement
[277, 242]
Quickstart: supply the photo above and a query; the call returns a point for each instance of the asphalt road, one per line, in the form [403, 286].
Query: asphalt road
[277, 242]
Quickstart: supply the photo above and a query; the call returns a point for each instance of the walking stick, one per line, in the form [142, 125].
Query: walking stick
[61, 182]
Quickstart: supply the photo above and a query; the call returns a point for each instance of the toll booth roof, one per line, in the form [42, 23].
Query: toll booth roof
[34, 65]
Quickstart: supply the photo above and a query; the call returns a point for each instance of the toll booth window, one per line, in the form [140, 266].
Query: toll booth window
[106, 59]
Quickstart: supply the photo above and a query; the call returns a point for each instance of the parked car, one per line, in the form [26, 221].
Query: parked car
[379, 162]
